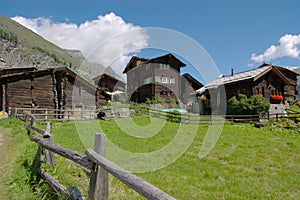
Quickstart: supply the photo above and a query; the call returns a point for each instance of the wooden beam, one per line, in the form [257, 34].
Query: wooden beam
[99, 177]
[72, 155]
[139, 185]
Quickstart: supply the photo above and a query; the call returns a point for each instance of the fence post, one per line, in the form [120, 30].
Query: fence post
[16, 113]
[99, 177]
[49, 155]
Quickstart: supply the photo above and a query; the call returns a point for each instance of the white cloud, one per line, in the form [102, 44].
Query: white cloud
[289, 46]
[112, 36]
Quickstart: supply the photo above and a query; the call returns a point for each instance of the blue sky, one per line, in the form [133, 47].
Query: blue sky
[230, 30]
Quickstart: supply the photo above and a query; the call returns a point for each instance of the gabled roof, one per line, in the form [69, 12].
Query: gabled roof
[253, 74]
[97, 78]
[166, 59]
[193, 82]
[10, 70]
[133, 63]
[21, 75]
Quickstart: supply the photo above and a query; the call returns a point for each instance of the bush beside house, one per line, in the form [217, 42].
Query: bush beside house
[241, 105]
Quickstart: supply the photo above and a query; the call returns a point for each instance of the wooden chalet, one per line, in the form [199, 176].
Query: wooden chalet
[160, 76]
[108, 84]
[52, 88]
[276, 84]
[188, 86]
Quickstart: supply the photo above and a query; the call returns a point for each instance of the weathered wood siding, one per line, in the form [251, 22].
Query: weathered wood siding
[42, 92]
[171, 72]
[242, 87]
[142, 82]
[16, 70]
[78, 95]
[19, 94]
[51, 89]
[186, 91]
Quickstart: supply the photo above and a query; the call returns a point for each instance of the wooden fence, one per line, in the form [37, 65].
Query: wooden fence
[215, 119]
[54, 114]
[94, 161]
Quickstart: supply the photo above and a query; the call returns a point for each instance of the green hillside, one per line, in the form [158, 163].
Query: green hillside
[21, 47]
[31, 42]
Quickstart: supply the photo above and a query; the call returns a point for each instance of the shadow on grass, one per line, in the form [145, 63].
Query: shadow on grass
[34, 180]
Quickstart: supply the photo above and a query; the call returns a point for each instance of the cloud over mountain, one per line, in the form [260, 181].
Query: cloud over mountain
[289, 46]
[108, 34]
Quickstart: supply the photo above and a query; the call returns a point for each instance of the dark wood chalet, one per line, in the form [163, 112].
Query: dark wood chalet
[107, 84]
[188, 86]
[160, 76]
[276, 84]
[53, 88]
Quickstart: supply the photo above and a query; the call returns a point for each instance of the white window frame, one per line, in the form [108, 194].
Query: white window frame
[164, 79]
[148, 80]
[172, 80]
[157, 79]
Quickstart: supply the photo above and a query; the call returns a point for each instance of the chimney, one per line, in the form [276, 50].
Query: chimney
[232, 71]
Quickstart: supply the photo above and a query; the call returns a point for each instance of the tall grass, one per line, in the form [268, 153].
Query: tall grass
[246, 163]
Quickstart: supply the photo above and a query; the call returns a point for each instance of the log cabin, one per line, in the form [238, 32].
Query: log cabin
[276, 84]
[148, 78]
[188, 86]
[107, 85]
[53, 88]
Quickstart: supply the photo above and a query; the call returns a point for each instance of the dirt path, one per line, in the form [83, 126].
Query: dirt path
[1, 139]
[4, 156]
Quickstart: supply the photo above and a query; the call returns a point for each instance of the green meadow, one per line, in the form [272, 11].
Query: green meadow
[245, 163]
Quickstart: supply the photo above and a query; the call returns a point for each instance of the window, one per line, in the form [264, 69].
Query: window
[164, 66]
[172, 80]
[157, 79]
[164, 79]
[148, 80]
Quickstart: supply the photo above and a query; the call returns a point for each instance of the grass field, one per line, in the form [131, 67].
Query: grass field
[246, 163]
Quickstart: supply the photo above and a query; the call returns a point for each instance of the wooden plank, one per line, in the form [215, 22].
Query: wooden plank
[51, 181]
[139, 185]
[99, 177]
[72, 155]
[71, 193]
[48, 154]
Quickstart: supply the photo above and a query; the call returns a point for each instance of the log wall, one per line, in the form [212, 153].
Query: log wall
[42, 93]
[49, 89]
[19, 94]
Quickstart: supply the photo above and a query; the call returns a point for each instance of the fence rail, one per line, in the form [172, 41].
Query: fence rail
[215, 119]
[94, 161]
[54, 114]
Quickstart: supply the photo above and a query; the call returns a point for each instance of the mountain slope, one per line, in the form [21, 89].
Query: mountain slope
[21, 47]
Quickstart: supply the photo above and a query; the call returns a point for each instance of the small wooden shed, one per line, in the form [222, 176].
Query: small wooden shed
[51, 88]
[108, 84]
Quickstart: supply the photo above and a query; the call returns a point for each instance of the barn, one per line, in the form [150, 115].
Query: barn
[58, 89]
[274, 83]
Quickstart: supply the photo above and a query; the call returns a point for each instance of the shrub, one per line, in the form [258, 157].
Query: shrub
[157, 100]
[241, 105]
